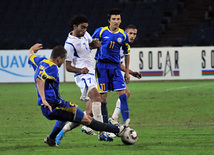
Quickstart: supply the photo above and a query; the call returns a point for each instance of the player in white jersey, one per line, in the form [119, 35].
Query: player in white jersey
[80, 61]
[131, 30]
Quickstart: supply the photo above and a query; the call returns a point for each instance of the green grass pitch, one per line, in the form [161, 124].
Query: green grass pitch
[170, 117]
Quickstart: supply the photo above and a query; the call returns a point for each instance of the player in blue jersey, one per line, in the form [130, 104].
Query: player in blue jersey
[53, 107]
[131, 30]
[108, 70]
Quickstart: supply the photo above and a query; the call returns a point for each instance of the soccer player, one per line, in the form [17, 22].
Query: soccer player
[108, 70]
[52, 105]
[79, 61]
[131, 30]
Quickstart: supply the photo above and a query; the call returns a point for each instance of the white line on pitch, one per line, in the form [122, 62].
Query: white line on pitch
[184, 87]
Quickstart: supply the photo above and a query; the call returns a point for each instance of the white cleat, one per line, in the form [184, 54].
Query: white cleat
[113, 121]
[88, 130]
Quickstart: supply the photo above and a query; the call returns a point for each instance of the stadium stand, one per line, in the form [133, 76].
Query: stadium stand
[159, 22]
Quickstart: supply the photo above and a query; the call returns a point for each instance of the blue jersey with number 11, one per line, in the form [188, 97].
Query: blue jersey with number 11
[111, 44]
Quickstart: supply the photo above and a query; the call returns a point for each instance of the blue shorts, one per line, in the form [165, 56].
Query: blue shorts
[109, 77]
[65, 111]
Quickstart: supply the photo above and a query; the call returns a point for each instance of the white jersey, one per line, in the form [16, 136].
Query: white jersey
[79, 52]
[122, 55]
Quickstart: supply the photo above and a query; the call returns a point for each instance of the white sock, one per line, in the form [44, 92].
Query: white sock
[116, 110]
[96, 110]
[69, 126]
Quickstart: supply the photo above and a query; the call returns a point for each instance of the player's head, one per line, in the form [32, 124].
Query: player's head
[79, 24]
[114, 18]
[131, 30]
[58, 55]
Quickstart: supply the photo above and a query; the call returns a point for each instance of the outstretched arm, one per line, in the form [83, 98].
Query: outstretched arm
[34, 49]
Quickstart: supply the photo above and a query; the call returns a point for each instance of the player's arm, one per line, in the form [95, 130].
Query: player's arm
[127, 76]
[34, 49]
[95, 44]
[71, 68]
[41, 88]
[134, 74]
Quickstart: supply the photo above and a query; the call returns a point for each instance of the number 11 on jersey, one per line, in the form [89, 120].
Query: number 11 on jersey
[111, 44]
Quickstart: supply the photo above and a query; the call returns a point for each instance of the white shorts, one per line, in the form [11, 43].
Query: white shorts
[85, 82]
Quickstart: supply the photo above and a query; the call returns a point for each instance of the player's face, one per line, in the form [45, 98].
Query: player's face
[81, 29]
[132, 33]
[60, 60]
[115, 21]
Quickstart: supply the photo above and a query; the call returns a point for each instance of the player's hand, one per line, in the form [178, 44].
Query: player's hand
[84, 70]
[136, 74]
[36, 47]
[46, 104]
[127, 77]
[95, 44]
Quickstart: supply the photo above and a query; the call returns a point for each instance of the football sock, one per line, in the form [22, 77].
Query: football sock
[96, 110]
[99, 126]
[116, 111]
[104, 111]
[124, 107]
[69, 126]
[56, 129]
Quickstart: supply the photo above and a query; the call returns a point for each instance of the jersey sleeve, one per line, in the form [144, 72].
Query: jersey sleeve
[35, 60]
[96, 35]
[70, 51]
[88, 36]
[126, 46]
[49, 73]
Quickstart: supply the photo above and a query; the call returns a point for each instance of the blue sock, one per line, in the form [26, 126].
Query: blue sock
[56, 129]
[124, 108]
[104, 111]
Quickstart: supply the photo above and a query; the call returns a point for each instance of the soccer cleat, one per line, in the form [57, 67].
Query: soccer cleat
[123, 127]
[112, 135]
[88, 130]
[122, 130]
[113, 121]
[103, 136]
[49, 141]
[126, 123]
[59, 137]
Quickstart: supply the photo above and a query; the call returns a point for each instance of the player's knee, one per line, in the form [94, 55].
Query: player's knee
[128, 93]
[104, 97]
[86, 119]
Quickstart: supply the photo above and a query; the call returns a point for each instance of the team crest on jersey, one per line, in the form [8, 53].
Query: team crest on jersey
[119, 40]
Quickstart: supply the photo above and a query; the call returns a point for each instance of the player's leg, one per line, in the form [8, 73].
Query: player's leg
[116, 113]
[119, 86]
[50, 139]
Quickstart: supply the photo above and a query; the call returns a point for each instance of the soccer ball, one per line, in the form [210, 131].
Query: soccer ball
[129, 137]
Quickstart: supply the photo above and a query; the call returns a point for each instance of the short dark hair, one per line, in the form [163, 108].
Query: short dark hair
[114, 11]
[130, 26]
[58, 51]
[78, 19]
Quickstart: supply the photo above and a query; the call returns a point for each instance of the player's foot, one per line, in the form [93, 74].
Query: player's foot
[59, 137]
[88, 130]
[126, 123]
[113, 121]
[103, 136]
[112, 135]
[123, 127]
[49, 141]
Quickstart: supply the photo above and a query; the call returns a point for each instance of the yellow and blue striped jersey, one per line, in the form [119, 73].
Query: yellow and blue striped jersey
[111, 44]
[48, 72]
